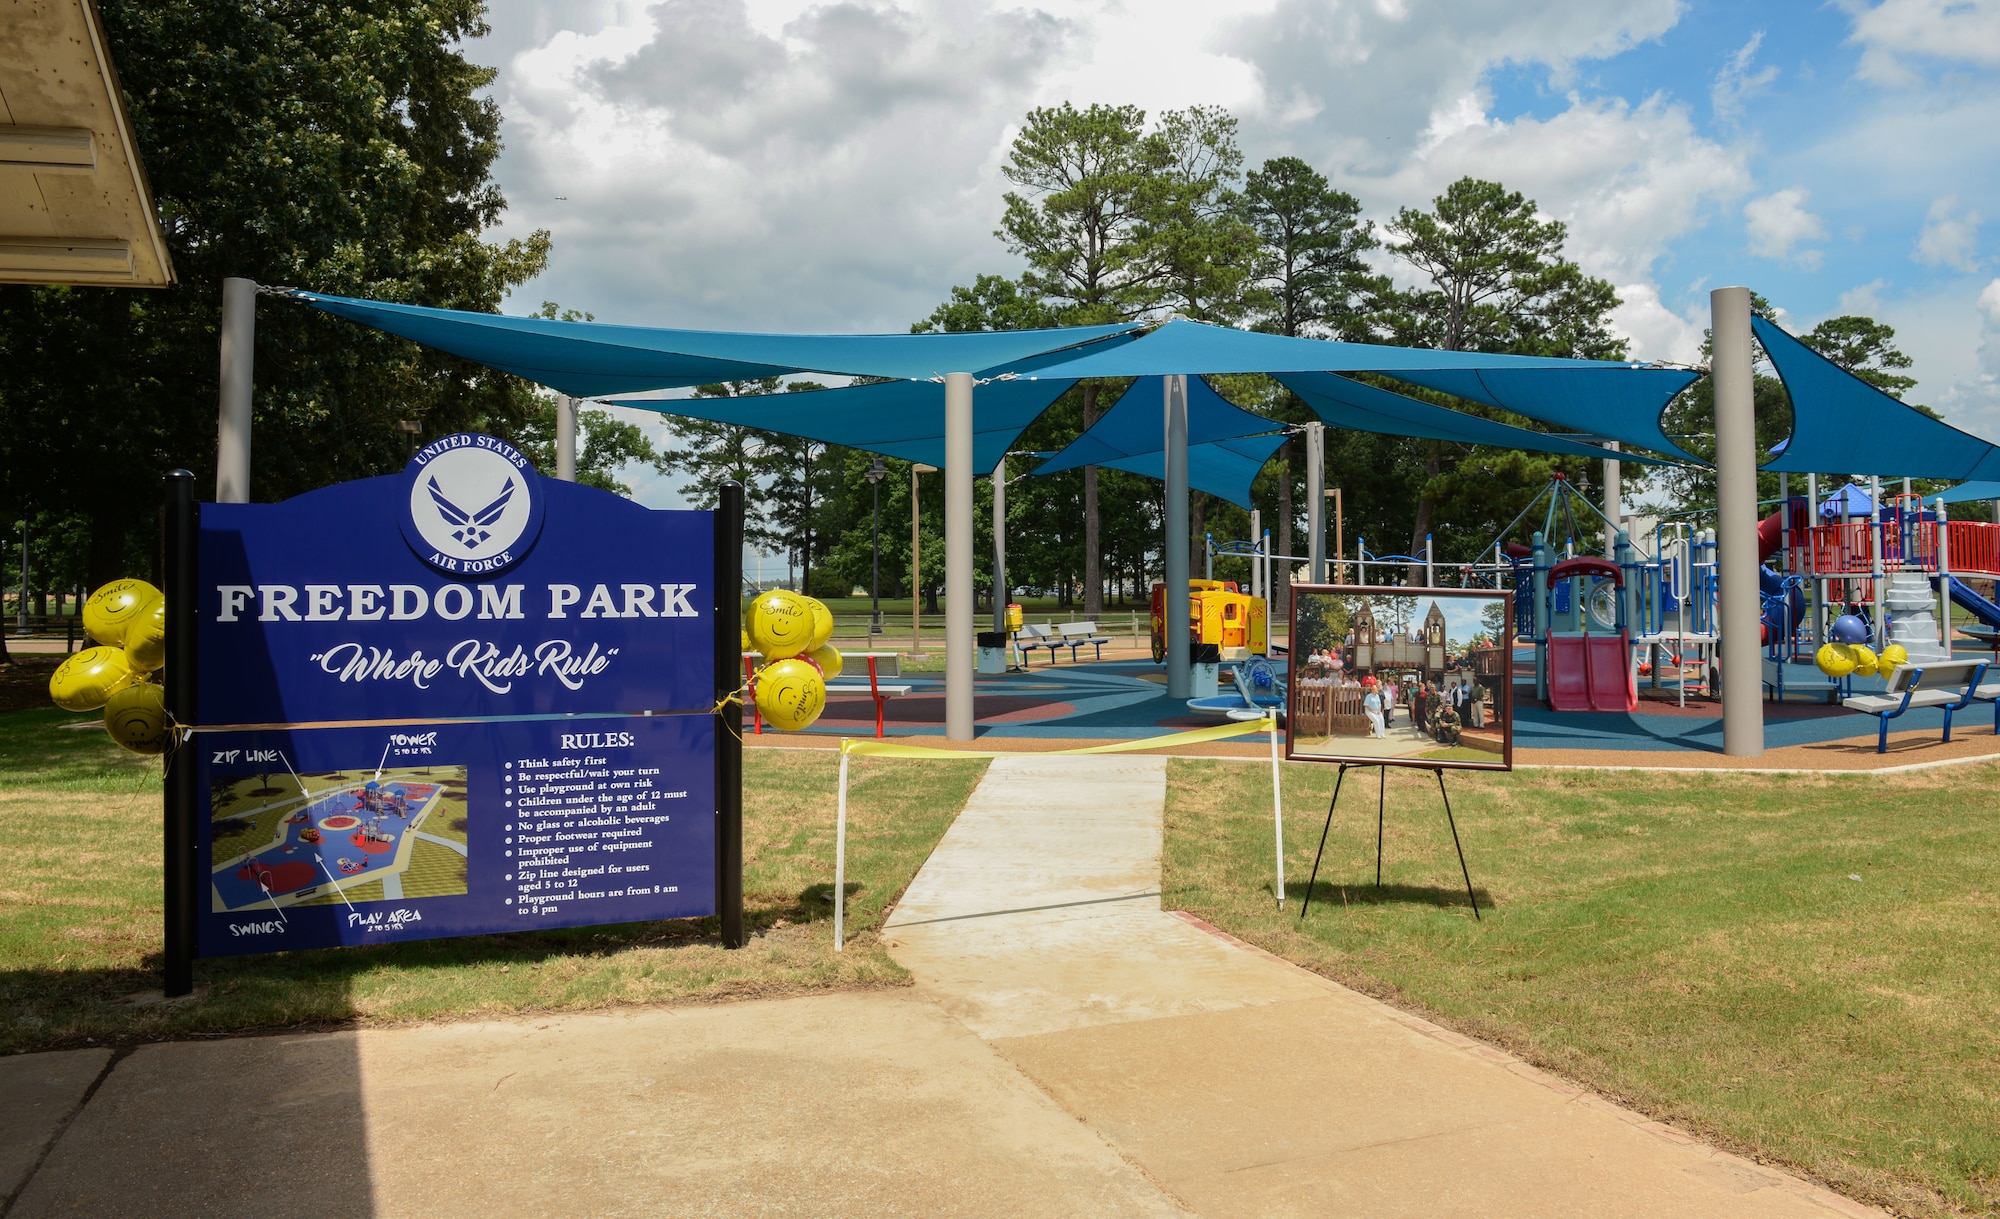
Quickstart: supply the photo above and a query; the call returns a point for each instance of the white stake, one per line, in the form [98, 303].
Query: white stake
[384, 760]
[840, 852]
[1277, 809]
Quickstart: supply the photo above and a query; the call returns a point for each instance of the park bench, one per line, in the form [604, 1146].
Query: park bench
[874, 687]
[1074, 635]
[1032, 637]
[1947, 684]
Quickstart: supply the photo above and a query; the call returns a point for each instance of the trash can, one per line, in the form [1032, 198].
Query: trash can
[1207, 670]
[1013, 616]
[992, 652]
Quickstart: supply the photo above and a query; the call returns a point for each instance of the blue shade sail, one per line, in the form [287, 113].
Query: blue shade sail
[1840, 423]
[1345, 403]
[902, 419]
[1227, 445]
[1968, 493]
[1619, 401]
[591, 359]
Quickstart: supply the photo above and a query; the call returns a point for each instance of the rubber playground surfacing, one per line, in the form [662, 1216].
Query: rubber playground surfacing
[1055, 706]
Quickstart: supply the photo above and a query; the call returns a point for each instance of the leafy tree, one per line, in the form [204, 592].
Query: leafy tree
[993, 302]
[1866, 348]
[341, 147]
[1198, 248]
[1497, 281]
[605, 445]
[1310, 273]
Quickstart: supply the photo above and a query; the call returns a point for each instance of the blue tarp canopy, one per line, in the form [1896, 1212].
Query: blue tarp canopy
[591, 359]
[1227, 445]
[1841, 423]
[1968, 493]
[1615, 400]
[902, 419]
[1357, 406]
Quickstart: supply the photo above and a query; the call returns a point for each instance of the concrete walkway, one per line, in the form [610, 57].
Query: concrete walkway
[1243, 1085]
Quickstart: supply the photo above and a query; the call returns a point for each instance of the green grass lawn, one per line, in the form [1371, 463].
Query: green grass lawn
[1804, 968]
[80, 908]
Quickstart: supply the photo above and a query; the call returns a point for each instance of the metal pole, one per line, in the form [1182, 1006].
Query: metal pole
[232, 432]
[1256, 540]
[1614, 503]
[1000, 544]
[916, 566]
[1180, 676]
[1736, 524]
[1316, 502]
[21, 608]
[959, 666]
[1812, 563]
[182, 795]
[729, 726]
[1878, 568]
[1339, 539]
[875, 575]
[566, 438]
[1944, 575]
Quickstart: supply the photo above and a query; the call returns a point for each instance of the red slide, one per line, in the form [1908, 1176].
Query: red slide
[1591, 673]
[1770, 530]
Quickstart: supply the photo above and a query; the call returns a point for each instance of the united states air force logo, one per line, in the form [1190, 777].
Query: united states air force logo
[475, 504]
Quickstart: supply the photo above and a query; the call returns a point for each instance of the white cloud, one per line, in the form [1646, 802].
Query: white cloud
[788, 164]
[1736, 84]
[1864, 299]
[1778, 222]
[1955, 31]
[1949, 236]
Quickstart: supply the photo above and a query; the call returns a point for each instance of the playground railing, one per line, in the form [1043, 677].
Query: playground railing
[1907, 545]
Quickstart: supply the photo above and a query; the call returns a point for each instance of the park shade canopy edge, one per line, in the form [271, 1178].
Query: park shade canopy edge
[1616, 400]
[900, 419]
[596, 359]
[1227, 445]
[1856, 428]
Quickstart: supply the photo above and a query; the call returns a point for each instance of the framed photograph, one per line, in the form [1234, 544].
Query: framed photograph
[1401, 677]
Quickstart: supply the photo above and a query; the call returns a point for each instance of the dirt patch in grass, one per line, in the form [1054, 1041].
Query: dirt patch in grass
[1800, 967]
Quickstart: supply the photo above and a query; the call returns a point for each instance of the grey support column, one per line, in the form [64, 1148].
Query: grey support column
[958, 592]
[1180, 675]
[1614, 502]
[1316, 502]
[232, 432]
[1000, 544]
[566, 438]
[1736, 525]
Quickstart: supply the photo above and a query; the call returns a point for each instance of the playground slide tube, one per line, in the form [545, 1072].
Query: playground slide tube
[1978, 606]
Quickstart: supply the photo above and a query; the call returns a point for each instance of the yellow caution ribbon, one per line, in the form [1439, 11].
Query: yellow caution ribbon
[896, 749]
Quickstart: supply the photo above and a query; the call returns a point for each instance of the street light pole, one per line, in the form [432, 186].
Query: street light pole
[875, 473]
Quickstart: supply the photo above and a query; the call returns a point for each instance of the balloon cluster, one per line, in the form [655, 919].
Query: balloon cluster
[128, 619]
[1846, 651]
[790, 631]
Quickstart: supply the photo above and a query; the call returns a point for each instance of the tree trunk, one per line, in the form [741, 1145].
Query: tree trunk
[1093, 583]
[1433, 462]
[1281, 570]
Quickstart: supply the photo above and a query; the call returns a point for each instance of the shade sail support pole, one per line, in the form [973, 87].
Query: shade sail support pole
[1174, 547]
[1316, 502]
[232, 432]
[1736, 524]
[958, 590]
[1000, 544]
[566, 438]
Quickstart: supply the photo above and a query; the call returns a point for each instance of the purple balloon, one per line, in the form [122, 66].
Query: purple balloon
[1849, 629]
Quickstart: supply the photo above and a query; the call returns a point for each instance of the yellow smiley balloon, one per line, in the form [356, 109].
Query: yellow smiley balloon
[1892, 657]
[822, 623]
[781, 624]
[146, 637]
[112, 608]
[829, 660]
[1835, 660]
[87, 679]
[1865, 660]
[790, 695]
[136, 717]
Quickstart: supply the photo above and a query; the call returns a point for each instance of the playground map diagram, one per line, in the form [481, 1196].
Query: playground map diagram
[347, 836]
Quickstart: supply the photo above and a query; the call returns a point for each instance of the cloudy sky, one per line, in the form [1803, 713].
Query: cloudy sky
[790, 165]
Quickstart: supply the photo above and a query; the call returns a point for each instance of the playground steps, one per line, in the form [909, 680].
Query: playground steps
[1913, 621]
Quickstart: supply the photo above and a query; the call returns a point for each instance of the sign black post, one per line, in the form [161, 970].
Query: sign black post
[729, 710]
[182, 519]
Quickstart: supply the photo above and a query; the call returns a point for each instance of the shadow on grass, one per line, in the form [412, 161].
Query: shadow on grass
[1339, 893]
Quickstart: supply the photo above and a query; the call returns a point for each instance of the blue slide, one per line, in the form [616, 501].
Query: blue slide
[1978, 606]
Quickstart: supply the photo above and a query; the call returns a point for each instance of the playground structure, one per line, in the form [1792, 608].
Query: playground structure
[1220, 615]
